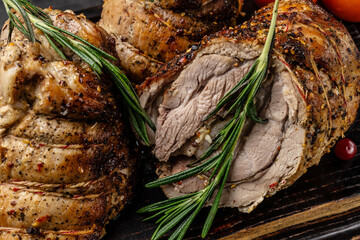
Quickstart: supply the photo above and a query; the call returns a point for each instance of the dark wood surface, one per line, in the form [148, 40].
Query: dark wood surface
[323, 204]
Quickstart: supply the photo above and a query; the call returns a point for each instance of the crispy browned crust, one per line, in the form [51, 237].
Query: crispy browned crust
[320, 53]
[160, 30]
[66, 167]
[159, 33]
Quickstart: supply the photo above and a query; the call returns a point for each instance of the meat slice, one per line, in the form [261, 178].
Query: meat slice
[151, 33]
[66, 168]
[309, 98]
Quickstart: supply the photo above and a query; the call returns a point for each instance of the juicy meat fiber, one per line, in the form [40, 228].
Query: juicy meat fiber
[65, 164]
[151, 33]
[310, 99]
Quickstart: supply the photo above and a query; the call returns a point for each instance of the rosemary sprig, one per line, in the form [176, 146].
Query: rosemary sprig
[97, 59]
[182, 210]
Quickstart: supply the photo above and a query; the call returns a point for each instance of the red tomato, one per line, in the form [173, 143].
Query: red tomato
[262, 3]
[348, 10]
[345, 149]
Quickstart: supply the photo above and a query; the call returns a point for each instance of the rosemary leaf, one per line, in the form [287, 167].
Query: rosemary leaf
[215, 206]
[11, 28]
[173, 219]
[253, 113]
[139, 126]
[181, 230]
[157, 205]
[17, 6]
[53, 45]
[128, 92]
[36, 11]
[181, 175]
[17, 23]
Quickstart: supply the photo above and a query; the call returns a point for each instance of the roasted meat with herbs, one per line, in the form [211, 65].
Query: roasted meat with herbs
[151, 33]
[310, 98]
[66, 168]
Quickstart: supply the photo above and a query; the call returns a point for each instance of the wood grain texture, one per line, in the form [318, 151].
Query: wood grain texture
[320, 213]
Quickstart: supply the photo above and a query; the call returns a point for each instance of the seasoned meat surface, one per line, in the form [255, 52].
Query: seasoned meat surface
[211, 9]
[309, 98]
[150, 33]
[66, 168]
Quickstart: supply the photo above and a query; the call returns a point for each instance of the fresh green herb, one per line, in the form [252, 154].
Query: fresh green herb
[97, 59]
[182, 210]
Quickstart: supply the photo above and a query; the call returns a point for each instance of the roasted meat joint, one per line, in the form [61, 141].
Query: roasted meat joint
[307, 101]
[66, 168]
[150, 33]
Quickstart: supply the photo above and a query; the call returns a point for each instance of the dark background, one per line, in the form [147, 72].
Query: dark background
[89, 7]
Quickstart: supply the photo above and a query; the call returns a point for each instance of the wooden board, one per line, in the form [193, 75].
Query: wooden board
[323, 204]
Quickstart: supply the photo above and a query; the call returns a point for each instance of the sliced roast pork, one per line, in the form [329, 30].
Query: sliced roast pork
[151, 33]
[309, 99]
[65, 164]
